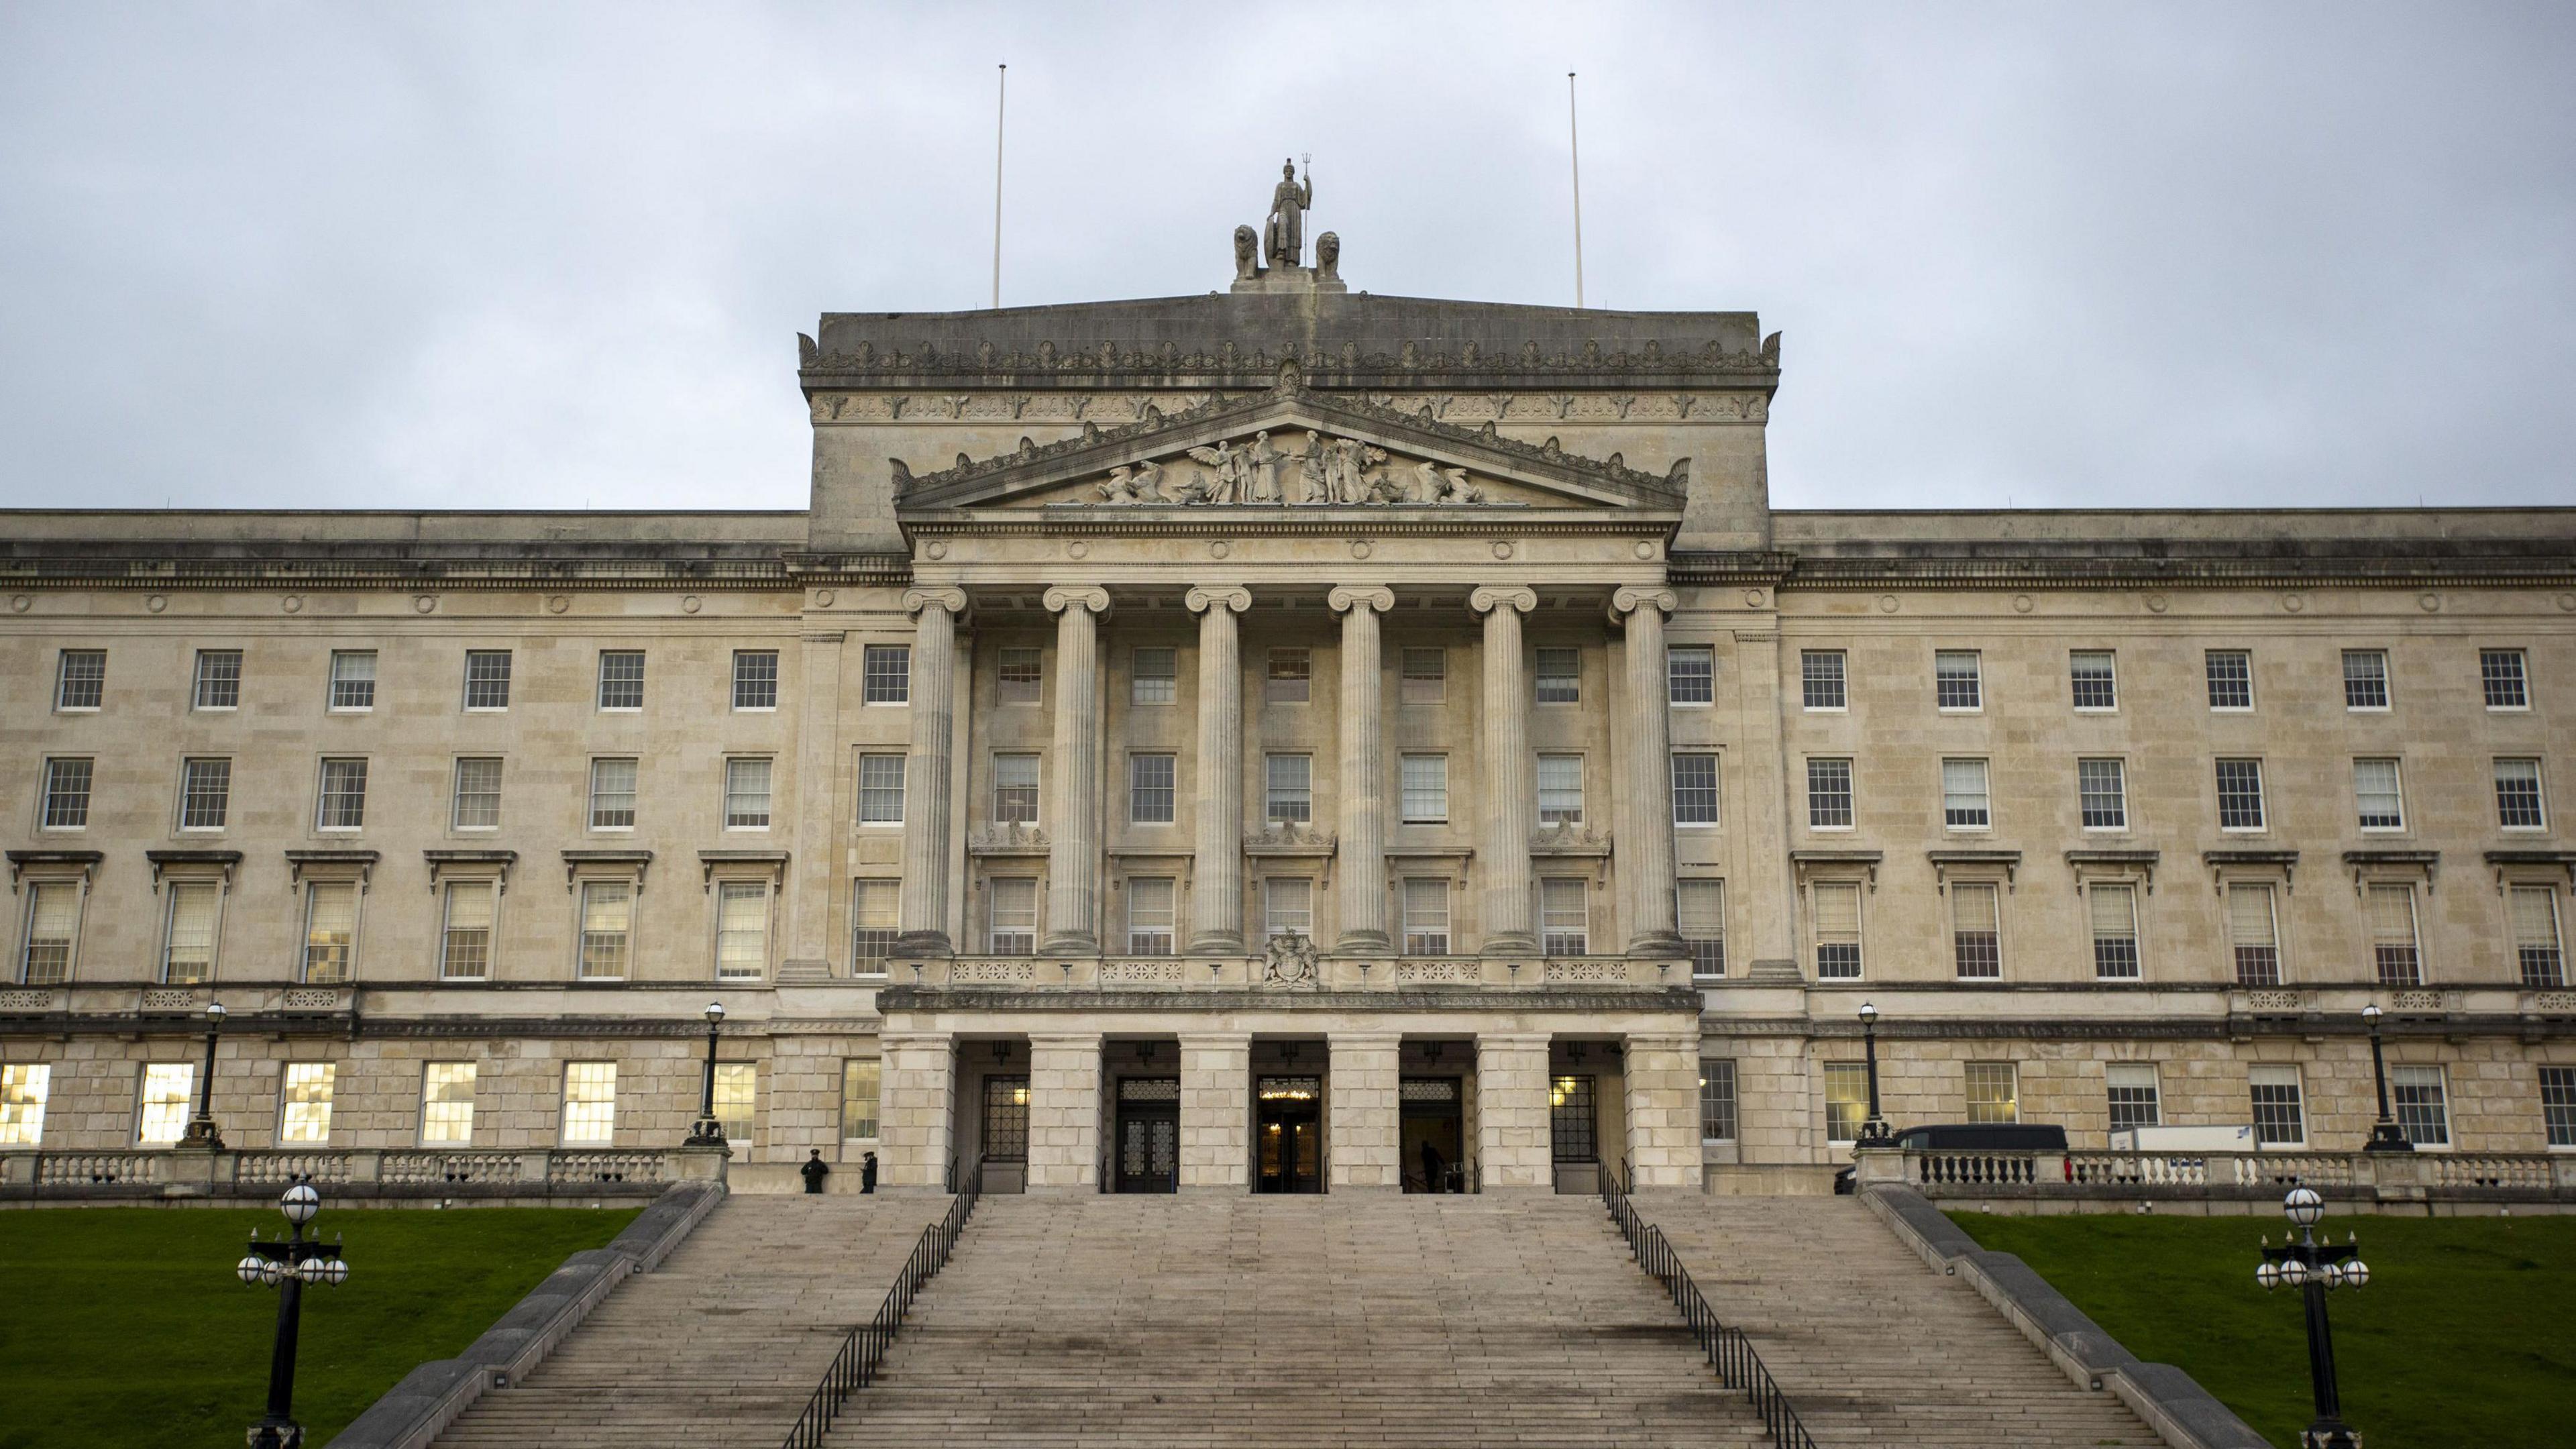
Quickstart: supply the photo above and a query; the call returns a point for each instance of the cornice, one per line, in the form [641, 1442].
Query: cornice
[2504, 564]
[1235, 365]
[1258, 520]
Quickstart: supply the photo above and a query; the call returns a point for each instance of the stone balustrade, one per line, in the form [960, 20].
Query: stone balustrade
[179, 1173]
[1201, 974]
[2253, 1180]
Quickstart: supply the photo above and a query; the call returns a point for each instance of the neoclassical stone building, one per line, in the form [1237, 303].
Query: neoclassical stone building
[1285, 739]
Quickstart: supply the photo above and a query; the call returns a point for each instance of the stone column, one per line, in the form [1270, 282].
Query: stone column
[1216, 1111]
[1644, 737]
[1216, 880]
[1509, 785]
[1362, 873]
[1663, 1110]
[1064, 1112]
[1513, 1146]
[1073, 801]
[923, 908]
[1367, 1142]
[913, 1110]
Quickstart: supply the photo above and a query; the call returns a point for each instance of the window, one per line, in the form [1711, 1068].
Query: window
[1976, 935]
[881, 789]
[1006, 1118]
[1699, 906]
[2517, 791]
[80, 679]
[1994, 1092]
[1151, 912]
[1559, 676]
[447, 1104]
[2240, 794]
[1695, 788]
[1820, 678]
[1425, 678]
[1563, 920]
[1846, 1101]
[487, 679]
[2393, 946]
[1574, 1119]
[1426, 916]
[304, 1103]
[1560, 789]
[24, 1088]
[1956, 680]
[1011, 915]
[2102, 794]
[161, 1117]
[885, 674]
[742, 930]
[2375, 790]
[353, 679]
[219, 679]
[53, 925]
[607, 928]
[859, 1079]
[1829, 794]
[2421, 1106]
[465, 940]
[2280, 1119]
[875, 915]
[1716, 1099]
[737, 1099]
[621, 679]
[1287, 907]
[1290, 796]
[2537, 945]
[2365, 679]
[344, 795]
[188, 935]
[2557, 1104]
[589, 1104]
[1963, 795]
[746, 794]
[2135, 1100]
[1690, 674]
[1015, 789]
[1837, 906]
[2253, 932]
[612, 794]
[1150, 785]
[478, 794]
[330, 931]
[2095, 677]
[1018, 676]
[755, 678]
[2231, 678]
[1424, 789]
[1154, 676]
[67, 794]
[2501, 671]
[1290, 673]
[205, 793]
[2113, 910]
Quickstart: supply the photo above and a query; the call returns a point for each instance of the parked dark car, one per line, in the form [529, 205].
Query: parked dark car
[1984, 1137]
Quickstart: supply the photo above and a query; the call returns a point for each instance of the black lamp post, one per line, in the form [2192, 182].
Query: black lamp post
[2385, 1135]
[201, 1131]
[1875, 1131]
[709, 1132]
[2312, 1268]
[287, 1264]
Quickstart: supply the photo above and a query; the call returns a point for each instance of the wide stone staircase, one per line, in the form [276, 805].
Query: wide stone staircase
[1870, 1345]
[724, 1343]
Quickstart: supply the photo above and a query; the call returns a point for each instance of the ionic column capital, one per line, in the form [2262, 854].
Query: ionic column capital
[951, 599]
[1091, 596]
[1629, 600]
[1368, 596]
[1519, 598]
[1234, 597]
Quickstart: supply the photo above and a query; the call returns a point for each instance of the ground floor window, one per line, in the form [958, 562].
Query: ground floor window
[24, 1087]
[447, 1104]
[1716, 1100]
[2423, 1109]
[589, 1104]
[162, 1117]
[2557, 1104]
[737, 1090]
[2280, 1117]
[1573, 1119]
[1846, 1100]
[304, 1103]
[1006, 1118]
[1994, 1092]
[859, 1079]
[2135, 1101]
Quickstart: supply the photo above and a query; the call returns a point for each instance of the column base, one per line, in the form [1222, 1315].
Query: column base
[1217, 946]
[1065, 946]
[915, 944]
[1660, 946]
[1509, 943]
[1364, 943]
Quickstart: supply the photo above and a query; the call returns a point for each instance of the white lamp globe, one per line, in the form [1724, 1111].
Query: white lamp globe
[2303, 1206]
[248, 1268]
[336, 1271]
[299, 1203]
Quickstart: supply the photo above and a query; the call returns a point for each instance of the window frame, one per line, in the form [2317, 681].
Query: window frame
[311, 888]
[26, 1091]
[221, 794]
[2210, 680]
[1288, 675]
[470, 1075]
[1144, 795]
[335, 681]
[54, 788]
[1956, 894]
[2539, 794]
[583, 935]
[573, 1127]
[200, 679]
[63, 681]
[1168, 683]
[2554, 948]
[448, 895]
[1718, 1090]
[1562, 761]
[1942, 679]
[2095, 940]
[1859, 943]
[1705, 966]
[2558, 1106]
[2119, 793]
[2362, 817]
[768, 792]
[2111, 1088]
[2385, 682]
[457, 793]
[1716, 788]
[152, 1111]
[2262, 806]
[1139, 929]
[1273, 908]
[1417, 938]
[1406, 790]
[1845, 1085]
[1273, 792]
[601, 682]
[861, 887]
[885, 675]
[994, 930]
[1836, 680]
[2077, 680]
[2009, 1073]
[1980, 817]
[1705, 679]
[872, 796]
[323, 795]
[173, 889]
[732, 888]
[31, 891]
[2408, 1077]
[1008, 661]
[1820, 798]
[853, 1070]
[2488, 679]
[593, 795]
[1569, 683]
[1408, 679]
[484, 657]
[1036, 787]
[1562, 941]
[748, 684]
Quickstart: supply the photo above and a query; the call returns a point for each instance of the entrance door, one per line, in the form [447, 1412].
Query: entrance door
[1288, 1127]
[1005, 1155]
[1149, 1134]
[1434, 1134]
[1574, 1133]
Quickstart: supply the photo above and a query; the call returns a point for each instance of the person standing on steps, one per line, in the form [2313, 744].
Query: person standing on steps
[814, 1171]
[867, 1172]
[1430, 1167]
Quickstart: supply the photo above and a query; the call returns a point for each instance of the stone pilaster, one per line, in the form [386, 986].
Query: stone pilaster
[1064, 1112]
[1663, 1110]
[1367, 1141]
[920, 1074]
[1216, 884]
[1362, 876]
[923, 908]
[1216, 1111]
[1513, 1148]
[1503, 861]
[1644, 742]
[1073, 813]
[819, 814]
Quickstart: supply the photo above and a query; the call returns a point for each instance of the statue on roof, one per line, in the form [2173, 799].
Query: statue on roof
[1284, 233]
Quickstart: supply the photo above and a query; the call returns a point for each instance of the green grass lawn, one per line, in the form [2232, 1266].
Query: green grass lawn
[2465, 1336]
[126, 1325]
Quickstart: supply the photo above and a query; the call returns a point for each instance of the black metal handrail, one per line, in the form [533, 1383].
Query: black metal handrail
[1728, 1350]
[864, 1351]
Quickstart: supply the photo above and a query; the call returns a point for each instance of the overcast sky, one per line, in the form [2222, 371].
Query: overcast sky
[532, 256]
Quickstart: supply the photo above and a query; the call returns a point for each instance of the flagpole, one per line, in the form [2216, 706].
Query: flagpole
[1001, 98]
[1574, 140]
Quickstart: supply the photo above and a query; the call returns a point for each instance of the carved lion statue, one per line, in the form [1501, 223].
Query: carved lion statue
[1328, 256]
[1247, 254]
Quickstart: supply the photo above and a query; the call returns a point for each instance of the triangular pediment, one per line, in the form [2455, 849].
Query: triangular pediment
[1290, 447]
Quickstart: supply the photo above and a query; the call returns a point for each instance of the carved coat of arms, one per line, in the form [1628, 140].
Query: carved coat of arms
[1289, 960]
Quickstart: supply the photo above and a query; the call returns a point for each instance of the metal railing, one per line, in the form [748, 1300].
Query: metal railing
[1728, 1350]
[864, 1351]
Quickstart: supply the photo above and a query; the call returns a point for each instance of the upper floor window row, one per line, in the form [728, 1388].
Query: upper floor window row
[1958, 684]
